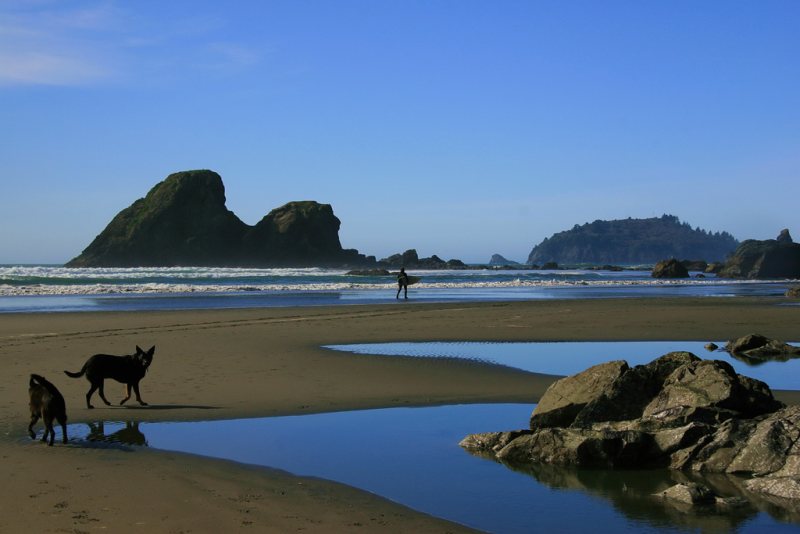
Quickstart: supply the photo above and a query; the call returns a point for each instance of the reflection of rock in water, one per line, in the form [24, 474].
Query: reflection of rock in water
[755, 349]
[632, 493]
[128, 435]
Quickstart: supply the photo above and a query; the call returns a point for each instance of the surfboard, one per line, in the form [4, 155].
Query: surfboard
[413, 279]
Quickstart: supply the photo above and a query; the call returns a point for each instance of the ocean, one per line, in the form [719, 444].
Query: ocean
[54, 288]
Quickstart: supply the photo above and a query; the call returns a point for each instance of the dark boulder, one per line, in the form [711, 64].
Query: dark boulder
[671, 268]
[761, 347]
[771, 258]
[677, 411]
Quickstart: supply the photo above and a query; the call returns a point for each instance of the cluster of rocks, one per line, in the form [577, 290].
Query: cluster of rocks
[411, 260]
[678, 411]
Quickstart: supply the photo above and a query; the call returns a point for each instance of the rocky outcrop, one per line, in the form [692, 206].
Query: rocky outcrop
[671, 268]
[771, 258]
[632, 241]
[793, 292]
[499, 261]
[410, 260]
[678, 411]
[760, 348]
[369, 272]
[183, 221]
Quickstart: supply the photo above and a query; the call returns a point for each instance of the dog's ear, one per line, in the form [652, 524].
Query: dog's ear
[151, 351]
[139, 350]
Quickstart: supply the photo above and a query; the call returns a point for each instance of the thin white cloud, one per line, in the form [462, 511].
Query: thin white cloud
[38, 68]
[46, 43]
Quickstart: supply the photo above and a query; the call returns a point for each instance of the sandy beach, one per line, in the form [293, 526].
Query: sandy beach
[222, 364]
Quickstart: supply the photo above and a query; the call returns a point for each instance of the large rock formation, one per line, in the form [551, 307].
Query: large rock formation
[678, 411]
[183, 221]
[632, 241]
[771, 258]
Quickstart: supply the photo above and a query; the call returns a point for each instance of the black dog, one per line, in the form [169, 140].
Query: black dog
[126, 369]
[47, 403]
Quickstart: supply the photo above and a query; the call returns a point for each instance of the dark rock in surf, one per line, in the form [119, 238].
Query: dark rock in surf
[771, 258]
[671, 268]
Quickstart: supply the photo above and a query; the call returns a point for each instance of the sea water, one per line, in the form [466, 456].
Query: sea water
[34, 288]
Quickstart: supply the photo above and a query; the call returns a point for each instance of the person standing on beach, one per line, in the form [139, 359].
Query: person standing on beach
[402, 282]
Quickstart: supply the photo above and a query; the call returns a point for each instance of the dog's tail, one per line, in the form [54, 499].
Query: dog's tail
[78, 374]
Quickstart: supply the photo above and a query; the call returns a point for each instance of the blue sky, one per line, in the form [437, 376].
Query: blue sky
[459, 128]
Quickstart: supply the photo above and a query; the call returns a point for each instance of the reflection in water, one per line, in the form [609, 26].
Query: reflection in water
[412, 456]
[129, 434]
[633, 493]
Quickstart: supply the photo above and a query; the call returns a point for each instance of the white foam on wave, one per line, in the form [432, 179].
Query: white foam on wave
[7, 290]
[24, 272]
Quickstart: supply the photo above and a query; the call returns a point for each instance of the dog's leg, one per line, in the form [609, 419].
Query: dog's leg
[103, 395]
[63, 423]
[128, 391]
[48, 427]
[138, 396]
[92, 389]
[34, 418]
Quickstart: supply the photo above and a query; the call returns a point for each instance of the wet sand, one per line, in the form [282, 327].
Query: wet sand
[221, 364]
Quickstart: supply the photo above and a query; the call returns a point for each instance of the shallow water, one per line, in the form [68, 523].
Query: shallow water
[566, 358]
[411, 455]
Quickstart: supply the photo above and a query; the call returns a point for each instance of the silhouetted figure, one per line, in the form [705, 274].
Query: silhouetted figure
[402, 282]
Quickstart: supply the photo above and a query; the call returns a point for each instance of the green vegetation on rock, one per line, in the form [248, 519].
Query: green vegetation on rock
[183, 221]
[632, 241]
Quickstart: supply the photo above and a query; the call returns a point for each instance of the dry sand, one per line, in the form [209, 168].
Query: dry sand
[220, 364]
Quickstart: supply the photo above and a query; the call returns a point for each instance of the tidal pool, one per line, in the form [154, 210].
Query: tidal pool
[412, 456]
[566, 358]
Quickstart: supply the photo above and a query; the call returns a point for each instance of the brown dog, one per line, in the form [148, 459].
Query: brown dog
[47, 403]
[126, 369]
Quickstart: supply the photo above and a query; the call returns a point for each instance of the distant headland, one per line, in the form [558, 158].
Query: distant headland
[632, 241]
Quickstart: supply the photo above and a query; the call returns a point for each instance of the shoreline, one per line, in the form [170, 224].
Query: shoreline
[242, 363]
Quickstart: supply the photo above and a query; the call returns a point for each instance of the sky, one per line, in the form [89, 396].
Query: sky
[456, 127]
